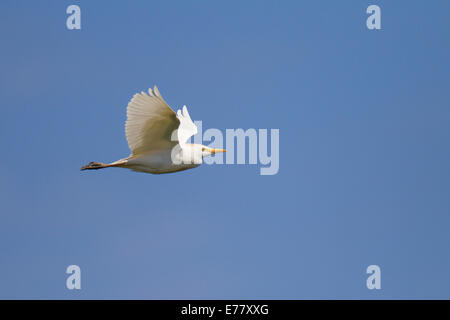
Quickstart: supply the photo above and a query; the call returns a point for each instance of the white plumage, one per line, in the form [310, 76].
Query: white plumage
[158, 137]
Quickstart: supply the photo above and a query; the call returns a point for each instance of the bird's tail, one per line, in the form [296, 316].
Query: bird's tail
[94, 166]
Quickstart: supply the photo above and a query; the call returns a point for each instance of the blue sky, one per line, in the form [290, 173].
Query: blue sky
[364, 150]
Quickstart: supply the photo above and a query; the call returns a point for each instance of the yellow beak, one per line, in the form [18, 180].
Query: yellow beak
[217, 150]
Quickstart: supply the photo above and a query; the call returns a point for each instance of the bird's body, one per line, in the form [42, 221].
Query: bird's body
[158, 162]
[157, 138]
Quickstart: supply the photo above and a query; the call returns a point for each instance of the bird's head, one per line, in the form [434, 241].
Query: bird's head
[206, 151]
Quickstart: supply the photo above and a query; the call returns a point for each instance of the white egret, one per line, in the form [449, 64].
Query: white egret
[155, 146]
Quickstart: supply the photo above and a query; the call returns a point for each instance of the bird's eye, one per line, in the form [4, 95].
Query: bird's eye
[203, 148]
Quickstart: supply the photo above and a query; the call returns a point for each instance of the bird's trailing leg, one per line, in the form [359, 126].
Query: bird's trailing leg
[94, 166]
[98, 165]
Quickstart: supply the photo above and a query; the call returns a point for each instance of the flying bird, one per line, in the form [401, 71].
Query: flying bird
[158, 138]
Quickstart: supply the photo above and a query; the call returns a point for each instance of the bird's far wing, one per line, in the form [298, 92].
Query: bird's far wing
[187, 128]
[150, 123]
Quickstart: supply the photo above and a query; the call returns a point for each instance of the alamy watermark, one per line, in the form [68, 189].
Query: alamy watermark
[263, 147]
[74, 280]
[374, 280]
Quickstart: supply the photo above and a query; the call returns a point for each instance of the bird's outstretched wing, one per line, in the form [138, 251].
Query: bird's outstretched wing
[150, 123]
[187, 128]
